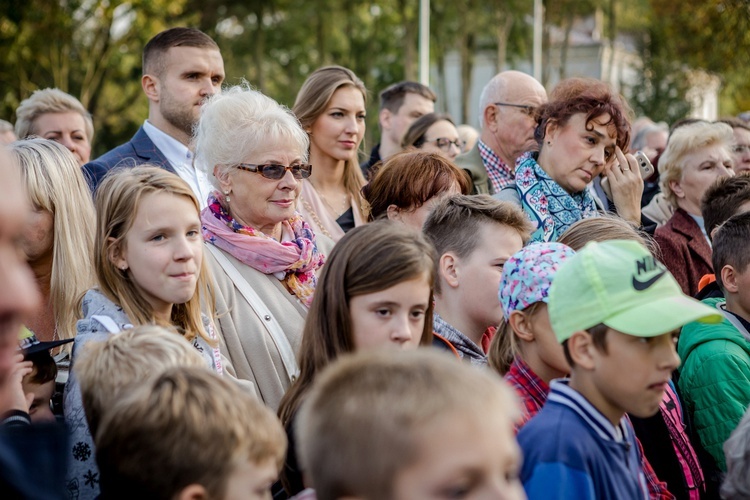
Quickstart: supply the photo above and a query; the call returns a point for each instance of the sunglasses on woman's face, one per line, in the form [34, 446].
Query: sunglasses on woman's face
[276, 172]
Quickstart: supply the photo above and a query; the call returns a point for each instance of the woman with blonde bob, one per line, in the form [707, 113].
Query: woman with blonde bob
[150, 271]
[59, 238]
[60, 117]
[262, 252]
[330, 106]
[696, 155]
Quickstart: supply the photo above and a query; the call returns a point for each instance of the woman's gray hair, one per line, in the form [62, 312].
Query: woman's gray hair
[737, 452]
[239, 122]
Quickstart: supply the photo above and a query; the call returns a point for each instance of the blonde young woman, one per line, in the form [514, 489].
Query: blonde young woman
[57, 116]
[58, 240]
[330, 106]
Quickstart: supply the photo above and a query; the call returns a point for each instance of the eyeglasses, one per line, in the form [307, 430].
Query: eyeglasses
[276, 172]
[445, 144]
[527, 109]
[740, 148]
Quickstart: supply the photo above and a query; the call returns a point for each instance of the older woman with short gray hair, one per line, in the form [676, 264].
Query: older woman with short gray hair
[263, 254]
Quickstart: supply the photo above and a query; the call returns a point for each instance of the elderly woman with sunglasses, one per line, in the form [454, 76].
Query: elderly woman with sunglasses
[262, 253]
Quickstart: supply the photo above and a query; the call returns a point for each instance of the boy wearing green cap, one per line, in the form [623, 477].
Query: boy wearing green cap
[616, 311]
[715, 376]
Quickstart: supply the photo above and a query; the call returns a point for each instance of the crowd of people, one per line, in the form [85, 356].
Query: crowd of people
[231, 306]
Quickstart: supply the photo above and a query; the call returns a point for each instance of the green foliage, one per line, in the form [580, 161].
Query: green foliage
[92, 48]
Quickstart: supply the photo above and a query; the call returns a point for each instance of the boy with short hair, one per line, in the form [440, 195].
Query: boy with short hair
[473, 236]
[715, 375]
[616, 311]
[187, 433]
[409, 424]
[726, 197]
[105, 369]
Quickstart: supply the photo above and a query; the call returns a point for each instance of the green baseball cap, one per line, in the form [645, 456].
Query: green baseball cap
[619, 283]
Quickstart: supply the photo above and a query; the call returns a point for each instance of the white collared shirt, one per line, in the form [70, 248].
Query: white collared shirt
[181, 159]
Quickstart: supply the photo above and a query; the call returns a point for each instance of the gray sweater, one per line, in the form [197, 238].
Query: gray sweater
[101, 318]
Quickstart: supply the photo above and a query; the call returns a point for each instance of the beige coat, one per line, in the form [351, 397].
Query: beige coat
[245, 339]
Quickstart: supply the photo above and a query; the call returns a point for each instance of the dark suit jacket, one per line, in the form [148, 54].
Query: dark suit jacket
[685, 251]
[136, 151]
[471, 161]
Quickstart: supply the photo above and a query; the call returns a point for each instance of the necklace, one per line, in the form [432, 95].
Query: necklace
[334, 210]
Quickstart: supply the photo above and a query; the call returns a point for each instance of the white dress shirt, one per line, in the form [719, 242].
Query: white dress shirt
[181, 159]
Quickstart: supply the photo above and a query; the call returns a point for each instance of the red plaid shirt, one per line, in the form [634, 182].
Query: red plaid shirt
[533, 392]
[530, 388]
[500, 174]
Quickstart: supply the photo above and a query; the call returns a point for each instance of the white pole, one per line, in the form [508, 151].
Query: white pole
[538, 27]
[424, 42]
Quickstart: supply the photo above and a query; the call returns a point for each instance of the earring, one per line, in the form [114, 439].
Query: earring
[549, 143]
[226, 195]
[124, 267]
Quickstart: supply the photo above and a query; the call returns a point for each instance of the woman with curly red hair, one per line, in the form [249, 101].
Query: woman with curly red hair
[583, 131]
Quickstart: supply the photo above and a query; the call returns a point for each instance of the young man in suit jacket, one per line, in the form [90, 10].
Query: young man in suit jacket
[182, 67]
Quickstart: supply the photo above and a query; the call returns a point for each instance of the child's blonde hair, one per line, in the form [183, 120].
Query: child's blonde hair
[605, 228]
[184, 426]
[363, 421]
[106, 368]
[117, 200]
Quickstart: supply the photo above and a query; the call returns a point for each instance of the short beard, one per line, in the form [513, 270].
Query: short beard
[179, 115]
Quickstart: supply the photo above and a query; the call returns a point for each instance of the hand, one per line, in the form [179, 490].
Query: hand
[12, 396]
[627, 186]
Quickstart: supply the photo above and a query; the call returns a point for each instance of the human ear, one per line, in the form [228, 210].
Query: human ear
[490, 116]
[393, 213]
[520, 322]
[192, 492]
[581, 348]
[385, 119]
[116, 254]
[448, 267]
[150, 85]
[551, 130]
[225, 181]
[729, 279]
[677, 189]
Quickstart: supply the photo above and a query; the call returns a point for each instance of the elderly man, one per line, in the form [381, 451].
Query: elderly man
[507, 106]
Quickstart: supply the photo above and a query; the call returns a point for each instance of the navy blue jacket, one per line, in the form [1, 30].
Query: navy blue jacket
[32, 459]
[571, 451]
[136, 151]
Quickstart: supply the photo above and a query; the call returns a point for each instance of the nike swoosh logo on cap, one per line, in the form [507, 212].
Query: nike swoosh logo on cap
[642, 285]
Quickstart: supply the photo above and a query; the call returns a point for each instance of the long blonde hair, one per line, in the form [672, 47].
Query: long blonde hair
[55, 183]
[117, 200]
[312, 101]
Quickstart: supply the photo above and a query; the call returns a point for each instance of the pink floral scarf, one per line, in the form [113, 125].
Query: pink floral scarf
[298, 259]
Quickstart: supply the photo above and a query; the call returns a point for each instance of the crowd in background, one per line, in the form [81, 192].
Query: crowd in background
[222, 307]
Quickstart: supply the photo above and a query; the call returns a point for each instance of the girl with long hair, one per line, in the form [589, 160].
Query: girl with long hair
[375, 292]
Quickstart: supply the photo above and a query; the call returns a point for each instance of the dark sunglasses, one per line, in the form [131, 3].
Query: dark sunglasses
[276, 172]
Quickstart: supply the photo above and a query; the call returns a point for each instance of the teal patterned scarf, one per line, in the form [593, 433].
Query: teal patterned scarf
[547, 204]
